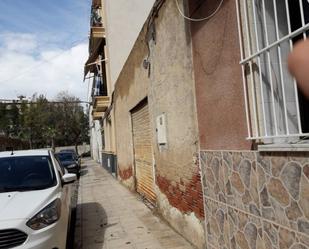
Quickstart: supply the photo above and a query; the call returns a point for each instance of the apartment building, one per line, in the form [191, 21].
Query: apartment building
[95, 68]
[10, 126]
[205, 120]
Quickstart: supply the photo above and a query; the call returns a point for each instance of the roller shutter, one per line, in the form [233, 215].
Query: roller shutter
[143, 156]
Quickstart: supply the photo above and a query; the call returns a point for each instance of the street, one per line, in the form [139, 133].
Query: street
[109, 216]
[155, 124]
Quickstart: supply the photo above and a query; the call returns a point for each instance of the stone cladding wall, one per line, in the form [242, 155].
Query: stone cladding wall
[256, 200]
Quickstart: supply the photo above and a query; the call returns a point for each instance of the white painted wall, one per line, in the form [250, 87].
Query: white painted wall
[123, 21]
[95, 139]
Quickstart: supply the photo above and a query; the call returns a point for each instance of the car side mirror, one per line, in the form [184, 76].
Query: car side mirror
[68, 178]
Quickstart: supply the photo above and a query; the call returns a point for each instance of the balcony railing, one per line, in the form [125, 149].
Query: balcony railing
[97, 29]
[96, 19]
[101, 103]
[99, 97]
[99, 89]
[97, 115]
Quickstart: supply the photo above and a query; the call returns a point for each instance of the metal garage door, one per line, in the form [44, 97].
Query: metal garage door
[143, 152]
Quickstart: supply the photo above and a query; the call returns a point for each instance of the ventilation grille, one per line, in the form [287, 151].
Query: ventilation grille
[10, 238]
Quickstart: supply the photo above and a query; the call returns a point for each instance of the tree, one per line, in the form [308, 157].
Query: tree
[73, 125]
[36, 121]
[46, 124]
[4, 120]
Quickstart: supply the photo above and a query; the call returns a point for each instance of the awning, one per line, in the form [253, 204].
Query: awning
[90, 63]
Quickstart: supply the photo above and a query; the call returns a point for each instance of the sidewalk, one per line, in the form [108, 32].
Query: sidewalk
[109, 216]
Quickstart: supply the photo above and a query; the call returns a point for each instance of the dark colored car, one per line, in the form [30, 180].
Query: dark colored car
[69, 150]
[86, 154]
[73, 151]
[69, 161]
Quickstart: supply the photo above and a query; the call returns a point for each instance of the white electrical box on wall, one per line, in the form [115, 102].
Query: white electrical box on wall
[161, 129]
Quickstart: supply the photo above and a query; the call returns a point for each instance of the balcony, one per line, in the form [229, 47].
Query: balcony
[96, 22]
[97, 32]
[97, 115]
[101, 103]
[97, 29]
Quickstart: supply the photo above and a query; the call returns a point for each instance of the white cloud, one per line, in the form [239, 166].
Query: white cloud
[27, 68]
[19, 42]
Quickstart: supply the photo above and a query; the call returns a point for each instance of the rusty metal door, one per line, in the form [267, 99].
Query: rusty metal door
[143, 157]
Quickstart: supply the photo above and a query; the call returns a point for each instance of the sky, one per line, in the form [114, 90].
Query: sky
[43, 47]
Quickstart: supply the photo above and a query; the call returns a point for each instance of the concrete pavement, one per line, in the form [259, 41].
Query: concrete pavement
[109, 216]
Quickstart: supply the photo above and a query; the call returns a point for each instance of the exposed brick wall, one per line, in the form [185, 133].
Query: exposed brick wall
[185, 197]
[125, 174]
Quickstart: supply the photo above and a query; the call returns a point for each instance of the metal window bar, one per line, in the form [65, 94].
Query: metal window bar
[259, 65]
[301, 7]
[243, 68]
[281, 71]
[291, 47]
[270, 69]
[277, 102]
[256, 126]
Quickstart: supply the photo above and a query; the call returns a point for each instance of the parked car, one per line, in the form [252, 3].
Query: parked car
[86, 154]
[35, 200]
[69, 161]
[73, 151]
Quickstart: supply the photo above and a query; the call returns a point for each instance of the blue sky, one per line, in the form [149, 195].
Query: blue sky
[58, 19]
[43, 41]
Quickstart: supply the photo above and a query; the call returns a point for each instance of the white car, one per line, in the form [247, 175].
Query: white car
[35, 200]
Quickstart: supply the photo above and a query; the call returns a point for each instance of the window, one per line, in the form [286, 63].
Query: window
[277, 112]
[26, 173]
[65, 156]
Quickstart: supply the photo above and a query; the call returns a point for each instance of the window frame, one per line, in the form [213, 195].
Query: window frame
[248, 58]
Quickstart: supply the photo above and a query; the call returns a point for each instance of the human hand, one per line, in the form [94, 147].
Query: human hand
[298, 63]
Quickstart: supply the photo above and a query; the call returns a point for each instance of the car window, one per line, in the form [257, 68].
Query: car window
[65, 156]
[26, 173]
[73, 152]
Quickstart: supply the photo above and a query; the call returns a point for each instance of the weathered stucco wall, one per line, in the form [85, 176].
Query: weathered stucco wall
[170, 90]
[172, 93]
[256, 200]
[219, 89]
[131, 88]
[95, 138]
[129, 17]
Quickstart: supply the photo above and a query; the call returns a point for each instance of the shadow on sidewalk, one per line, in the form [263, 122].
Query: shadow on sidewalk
[93, 222]
[83, 169]
[83, 172]
[83, 166]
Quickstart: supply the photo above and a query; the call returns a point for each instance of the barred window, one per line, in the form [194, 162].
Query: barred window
[277, 112]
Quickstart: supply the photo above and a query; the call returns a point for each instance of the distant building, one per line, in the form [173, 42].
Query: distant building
[96, 66]
[9, 140]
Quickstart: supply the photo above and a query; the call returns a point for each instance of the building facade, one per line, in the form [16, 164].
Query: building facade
[96, 74]
[205, 120]
[156, 128]
[10, 111]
